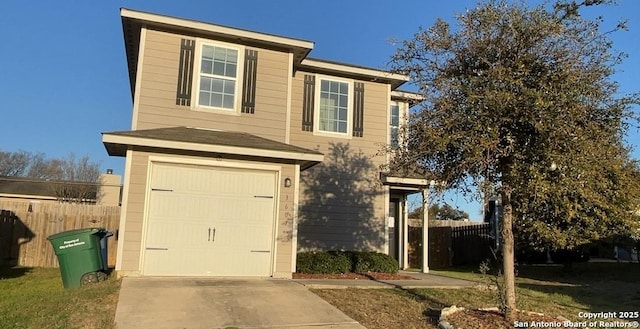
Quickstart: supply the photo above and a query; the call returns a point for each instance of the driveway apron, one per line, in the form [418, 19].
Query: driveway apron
[223, 303]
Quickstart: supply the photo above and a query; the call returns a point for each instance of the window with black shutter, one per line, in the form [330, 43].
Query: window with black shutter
[185, 72]
[308, 102]
[249, 82]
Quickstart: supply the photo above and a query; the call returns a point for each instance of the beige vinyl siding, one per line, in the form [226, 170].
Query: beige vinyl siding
[136, 206]
[135, 213]
[375, 121]
[342, 205]
[159, 78]
[285, 223]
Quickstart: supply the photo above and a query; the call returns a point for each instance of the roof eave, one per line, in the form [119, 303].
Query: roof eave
[117, 145]
[133, 21]
[407, 96]
[300, 48]
[405, 182]
[354, 71]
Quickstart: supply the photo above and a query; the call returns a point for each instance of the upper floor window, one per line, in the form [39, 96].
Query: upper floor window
[334, 106]
[394, 124]
[218, 85]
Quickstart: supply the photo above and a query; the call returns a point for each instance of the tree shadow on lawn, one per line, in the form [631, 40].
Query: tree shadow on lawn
[557, 290]
[432, 306]
[600, 287]
[581, 273]
[608, 296]
[10, 272]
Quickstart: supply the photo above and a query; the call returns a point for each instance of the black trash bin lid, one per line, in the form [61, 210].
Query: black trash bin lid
[93, 230]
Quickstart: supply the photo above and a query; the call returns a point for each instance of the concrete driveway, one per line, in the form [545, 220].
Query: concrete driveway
[223, 303]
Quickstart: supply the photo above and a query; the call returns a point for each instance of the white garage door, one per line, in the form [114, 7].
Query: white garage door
[209, 221]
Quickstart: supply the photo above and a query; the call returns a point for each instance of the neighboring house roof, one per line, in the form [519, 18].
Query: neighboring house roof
[133, 21]
[43, 189]
[212, 141]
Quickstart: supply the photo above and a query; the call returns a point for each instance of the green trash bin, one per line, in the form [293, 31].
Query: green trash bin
[80, 256]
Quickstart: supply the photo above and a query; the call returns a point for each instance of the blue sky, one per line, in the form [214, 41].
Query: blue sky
[63, 74]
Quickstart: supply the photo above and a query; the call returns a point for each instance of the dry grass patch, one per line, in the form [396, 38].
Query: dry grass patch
[382, 308]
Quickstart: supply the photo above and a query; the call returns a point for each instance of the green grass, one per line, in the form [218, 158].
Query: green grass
[552, 290]
[466, 273]
[35, 298]
[555, 290]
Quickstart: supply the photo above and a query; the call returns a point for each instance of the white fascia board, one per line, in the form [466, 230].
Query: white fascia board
[400, 189]
[211, 148]
[354, 70]
[406, 181]
[407, 95]
[217, 29]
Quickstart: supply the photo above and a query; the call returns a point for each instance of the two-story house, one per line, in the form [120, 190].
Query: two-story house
[244, 151]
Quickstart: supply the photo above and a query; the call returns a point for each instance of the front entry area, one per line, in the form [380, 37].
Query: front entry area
[209, 221]
[395, 226]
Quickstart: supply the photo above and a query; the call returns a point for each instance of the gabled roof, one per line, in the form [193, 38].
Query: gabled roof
[133, 21]
[211, 141]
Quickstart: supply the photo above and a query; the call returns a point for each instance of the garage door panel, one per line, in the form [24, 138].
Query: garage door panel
[214, 221]
[161, 234]
[261, 210]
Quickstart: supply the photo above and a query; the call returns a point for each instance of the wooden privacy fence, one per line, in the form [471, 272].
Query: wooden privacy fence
[471, 244]
[25, 226]
[449, 246]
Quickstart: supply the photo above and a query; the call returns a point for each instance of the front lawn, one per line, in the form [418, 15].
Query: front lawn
[588, 287]
[35, 298]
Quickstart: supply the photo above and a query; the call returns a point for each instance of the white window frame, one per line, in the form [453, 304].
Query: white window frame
[195, 98]
[402, 119]
[316, 105]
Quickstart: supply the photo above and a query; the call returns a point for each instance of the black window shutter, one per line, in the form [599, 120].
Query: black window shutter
[358, 109]
[185, 72]
[249, 82]
[308, 102]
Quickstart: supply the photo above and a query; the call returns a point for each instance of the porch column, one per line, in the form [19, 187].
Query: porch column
[405, 233]
[425, 231]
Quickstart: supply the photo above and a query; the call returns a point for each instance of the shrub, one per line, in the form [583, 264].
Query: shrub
[323, 262]
[342, 261]
[374, 262]
[326, 262]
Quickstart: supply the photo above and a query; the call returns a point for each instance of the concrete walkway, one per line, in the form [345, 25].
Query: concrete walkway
[421, 280]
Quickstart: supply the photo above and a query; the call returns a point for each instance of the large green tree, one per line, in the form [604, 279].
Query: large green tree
[441, 212]
[520, 99]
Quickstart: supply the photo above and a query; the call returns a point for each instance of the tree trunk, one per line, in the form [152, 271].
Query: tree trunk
[508, 269]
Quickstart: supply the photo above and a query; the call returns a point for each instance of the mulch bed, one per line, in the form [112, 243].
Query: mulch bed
[480, 319]
[353, 276]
